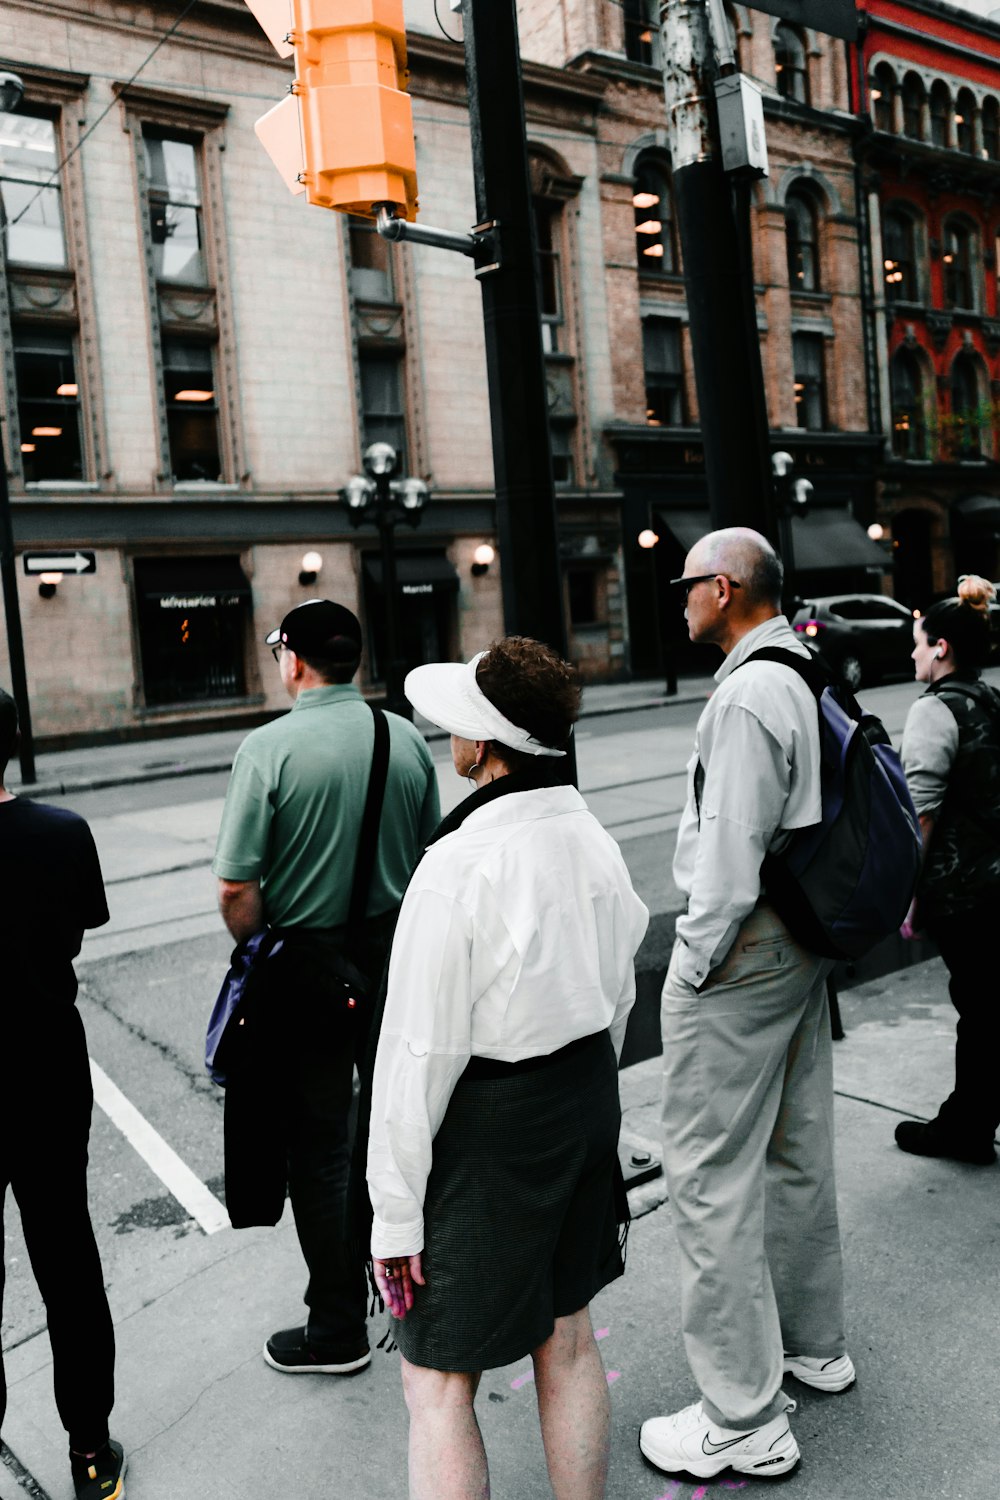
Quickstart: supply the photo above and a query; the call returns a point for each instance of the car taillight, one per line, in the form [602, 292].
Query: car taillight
[809, 627]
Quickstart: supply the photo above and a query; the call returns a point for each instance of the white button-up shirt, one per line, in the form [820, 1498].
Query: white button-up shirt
[517, 935]
[753, 778]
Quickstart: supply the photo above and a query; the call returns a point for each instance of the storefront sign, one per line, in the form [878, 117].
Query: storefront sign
[200, 601]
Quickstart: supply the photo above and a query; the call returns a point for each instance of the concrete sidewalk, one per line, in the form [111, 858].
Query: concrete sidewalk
[200, 1412]
[98, 766]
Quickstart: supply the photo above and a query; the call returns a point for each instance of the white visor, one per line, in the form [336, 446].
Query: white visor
[448, 694]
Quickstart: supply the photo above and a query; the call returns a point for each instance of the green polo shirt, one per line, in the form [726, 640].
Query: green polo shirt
[295, 801]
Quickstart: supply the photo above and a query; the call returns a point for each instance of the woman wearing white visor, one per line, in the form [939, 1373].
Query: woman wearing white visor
[492, 1155]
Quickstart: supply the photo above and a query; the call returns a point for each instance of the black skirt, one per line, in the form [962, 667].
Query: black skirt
[520, 1224]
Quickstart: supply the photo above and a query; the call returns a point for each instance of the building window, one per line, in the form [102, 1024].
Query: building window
[663, 365]
[642, 31]
[192, 411]
[810, 382]
[965, 121]
[383, 411]
[909, 438]
[940, 114]
[561, 440]
[899, 259]
[914, 95]
[991, 129]
[191, 616]
[30, 200]
[957, 258]
[371, 262]
[585, 595]
[48, 406]
[790, 64]
[173, 195]
[882, 93]
[548, 217]
[802, 242]
[966, 416]
[655, 232]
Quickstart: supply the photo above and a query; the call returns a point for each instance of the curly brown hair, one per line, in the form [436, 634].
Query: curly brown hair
[534, 688]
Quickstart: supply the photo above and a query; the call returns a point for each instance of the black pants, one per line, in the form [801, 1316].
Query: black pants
[288, 1119]
[967, 941]
[43, 1156]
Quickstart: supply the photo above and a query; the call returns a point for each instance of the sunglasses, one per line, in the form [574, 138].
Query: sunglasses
[687, 584]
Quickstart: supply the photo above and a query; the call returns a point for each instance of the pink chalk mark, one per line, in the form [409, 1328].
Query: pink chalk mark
[734, 1484]
[520, 1380]
[673, 1492]
[613, 1375]
[700, 1493]
[601, 1333]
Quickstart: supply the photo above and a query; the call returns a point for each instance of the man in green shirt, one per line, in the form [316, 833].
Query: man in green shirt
[285, 858]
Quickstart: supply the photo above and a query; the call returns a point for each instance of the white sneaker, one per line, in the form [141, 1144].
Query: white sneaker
[822, 1374]
[690, 1442]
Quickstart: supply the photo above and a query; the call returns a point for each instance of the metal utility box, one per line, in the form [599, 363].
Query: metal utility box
[741, 125]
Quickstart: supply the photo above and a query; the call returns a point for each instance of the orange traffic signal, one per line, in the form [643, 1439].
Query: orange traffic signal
[345, 136]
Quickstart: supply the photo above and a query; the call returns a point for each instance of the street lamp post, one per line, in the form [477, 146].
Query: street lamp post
[793, 497]
[385, 501]
[11, 94]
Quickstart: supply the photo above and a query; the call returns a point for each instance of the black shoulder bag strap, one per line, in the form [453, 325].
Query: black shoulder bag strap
[364, 861]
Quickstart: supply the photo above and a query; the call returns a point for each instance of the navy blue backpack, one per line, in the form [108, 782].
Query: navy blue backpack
[845, 883]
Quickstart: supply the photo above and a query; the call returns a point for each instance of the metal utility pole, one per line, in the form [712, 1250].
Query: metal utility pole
[522, 461]
[15, 639]
[713, 218]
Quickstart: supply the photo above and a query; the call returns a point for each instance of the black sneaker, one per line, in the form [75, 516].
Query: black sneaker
[930, 1140]
[101, 1477]
[289, 1351]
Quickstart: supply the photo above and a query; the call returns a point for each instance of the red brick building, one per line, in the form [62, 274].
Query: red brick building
[927, 78]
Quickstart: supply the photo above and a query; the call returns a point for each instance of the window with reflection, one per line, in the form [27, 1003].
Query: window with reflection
[883, 89]
[914, 95]
[810, 380]
[802, 241]
[966, 414]
[909, 436]
[371, 262]
[642, 31]
[548, 233]
[790, 63]
[940, 114]
[965, 121]
[957, 259]
[663, 366]
[991, 129]
[30, 195]
[192, 411]
[173, 189]
[655, 232]
[383, 409]
[899, 255]
[48, 406]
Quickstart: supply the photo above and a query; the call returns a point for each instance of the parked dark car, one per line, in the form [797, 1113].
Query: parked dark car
[861, 637]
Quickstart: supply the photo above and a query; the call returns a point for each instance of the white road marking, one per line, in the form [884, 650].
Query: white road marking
[190, 1192]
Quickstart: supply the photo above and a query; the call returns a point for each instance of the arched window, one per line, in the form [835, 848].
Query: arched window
[991, 129]
[914, 95]
[966, 416]
[899, 255]
[790, 63]
[957, 257]
[802, 241]
[655, 234]
[909, 435]
[965, 120]
[940, 113]
[883, 90]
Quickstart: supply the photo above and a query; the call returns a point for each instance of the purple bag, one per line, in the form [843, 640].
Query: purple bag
[227, 1015]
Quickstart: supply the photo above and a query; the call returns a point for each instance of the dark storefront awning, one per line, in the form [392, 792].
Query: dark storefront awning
[827, 539]
[428, 574]
[979, 510]
[191, 582]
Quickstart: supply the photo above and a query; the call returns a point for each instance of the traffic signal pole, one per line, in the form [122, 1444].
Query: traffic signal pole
[713, 219]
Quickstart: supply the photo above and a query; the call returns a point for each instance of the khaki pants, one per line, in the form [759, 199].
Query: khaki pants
[748, 1157]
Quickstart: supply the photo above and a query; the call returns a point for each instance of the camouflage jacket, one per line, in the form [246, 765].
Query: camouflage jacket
[962, 869]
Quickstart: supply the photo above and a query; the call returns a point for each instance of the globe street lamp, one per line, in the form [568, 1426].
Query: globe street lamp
[11, 94]
[793, 498]
[378, 498]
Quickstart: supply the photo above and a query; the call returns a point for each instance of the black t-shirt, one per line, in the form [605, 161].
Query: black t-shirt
[50, 890]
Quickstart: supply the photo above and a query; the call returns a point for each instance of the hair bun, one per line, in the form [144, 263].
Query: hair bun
[976, 591]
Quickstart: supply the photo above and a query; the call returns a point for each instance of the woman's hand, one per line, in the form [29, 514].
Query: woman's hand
[395, 1279]
[911, 928]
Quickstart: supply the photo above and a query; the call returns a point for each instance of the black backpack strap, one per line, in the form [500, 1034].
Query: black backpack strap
[364, 862]
[812, 671]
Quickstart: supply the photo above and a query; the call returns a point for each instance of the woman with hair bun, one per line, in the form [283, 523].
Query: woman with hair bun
[492, 1153]
[951, 755]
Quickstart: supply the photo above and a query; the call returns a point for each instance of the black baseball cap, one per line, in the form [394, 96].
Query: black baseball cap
[319, 628]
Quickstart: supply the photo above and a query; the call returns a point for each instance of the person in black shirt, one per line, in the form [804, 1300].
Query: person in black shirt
[50, 891]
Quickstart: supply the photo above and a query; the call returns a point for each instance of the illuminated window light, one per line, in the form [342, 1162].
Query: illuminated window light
[28, 447]
[959, 119]
[654, 250]
[645, 200]
[876, 93]
[651, 226]
[779, 67]
[800, 385]
[646, 36]
[890, 265]
[68, 388]
[46, 432]
[194, 395]
[948, 259]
